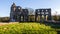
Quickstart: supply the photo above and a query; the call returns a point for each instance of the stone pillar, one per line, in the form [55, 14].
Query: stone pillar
[20, 18]
[23, 18]
[36, 15]
[44, 17]
[27, 18]
[40, 17]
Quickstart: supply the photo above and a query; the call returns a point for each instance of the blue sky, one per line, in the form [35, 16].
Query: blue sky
[35, 4]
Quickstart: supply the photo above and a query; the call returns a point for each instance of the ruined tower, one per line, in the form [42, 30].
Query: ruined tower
[18, 14]
[13, 8]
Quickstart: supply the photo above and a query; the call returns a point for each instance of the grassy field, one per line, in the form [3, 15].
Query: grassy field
[26, 28]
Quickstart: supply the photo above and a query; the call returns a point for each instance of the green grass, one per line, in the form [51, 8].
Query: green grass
[26, 28]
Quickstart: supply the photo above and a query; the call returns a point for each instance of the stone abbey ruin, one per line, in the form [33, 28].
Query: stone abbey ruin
[18, 14]
[43, 12]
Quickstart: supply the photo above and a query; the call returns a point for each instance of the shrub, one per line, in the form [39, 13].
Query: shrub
[26, 28]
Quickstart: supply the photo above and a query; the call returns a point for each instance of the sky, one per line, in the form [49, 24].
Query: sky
[5, 5]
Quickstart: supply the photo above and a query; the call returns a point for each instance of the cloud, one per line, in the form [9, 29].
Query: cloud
[56, 12]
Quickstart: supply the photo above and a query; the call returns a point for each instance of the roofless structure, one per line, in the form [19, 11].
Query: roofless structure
[45, 14]
[18, 14]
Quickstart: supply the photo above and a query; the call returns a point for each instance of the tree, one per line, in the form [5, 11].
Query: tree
[31, 14]
[30, 11]
[55, 17]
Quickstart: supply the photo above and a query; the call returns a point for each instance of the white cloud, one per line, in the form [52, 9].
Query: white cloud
[56, 12]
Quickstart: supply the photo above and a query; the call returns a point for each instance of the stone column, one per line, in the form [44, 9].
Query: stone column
[35, 18]
[20, 18]
[40, 17]
[44, 17]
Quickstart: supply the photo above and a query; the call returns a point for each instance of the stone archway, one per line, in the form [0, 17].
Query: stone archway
[43, 13]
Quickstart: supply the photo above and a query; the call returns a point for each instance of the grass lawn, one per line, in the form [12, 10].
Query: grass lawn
[26, 28]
